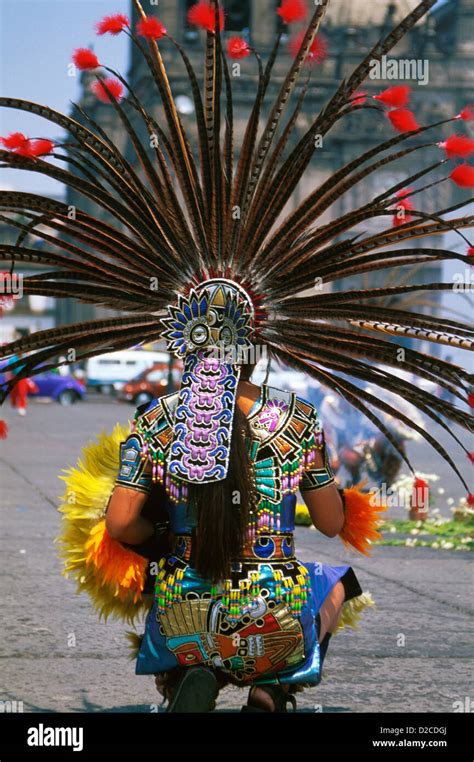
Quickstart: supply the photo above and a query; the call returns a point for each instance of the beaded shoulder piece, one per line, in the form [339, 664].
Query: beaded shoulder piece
[154, 430]
[286, 432]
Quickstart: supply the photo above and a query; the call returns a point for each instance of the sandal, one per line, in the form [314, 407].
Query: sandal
[278, 694]
[195, 691]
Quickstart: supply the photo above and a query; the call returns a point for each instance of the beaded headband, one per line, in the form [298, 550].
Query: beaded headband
[210, 329]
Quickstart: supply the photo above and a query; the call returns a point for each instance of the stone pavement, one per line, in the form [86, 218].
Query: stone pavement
[411, 653]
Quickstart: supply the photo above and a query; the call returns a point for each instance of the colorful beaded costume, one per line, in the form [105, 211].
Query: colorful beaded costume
[261, 622]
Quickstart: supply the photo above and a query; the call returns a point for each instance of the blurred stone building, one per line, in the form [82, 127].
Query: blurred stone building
[442, 42]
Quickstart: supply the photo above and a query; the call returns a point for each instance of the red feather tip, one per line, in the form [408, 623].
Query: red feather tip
[41, 147]
[403, 120]
[23, 146]
[35, 148]
[470, 499]
[399, 95]
[112, 24]
[470, 455]
[317, 52]
[457, 145]
[463, 175]
[14, 140]
[151, 28]
[115, 87]
[358, 98]
[470, 399]
[202, 15]
[3, 430]
[467, 113]
[402, 206]
[237, 47]
[85, 59]
[470, 251]
[291, 11]
[404, 192]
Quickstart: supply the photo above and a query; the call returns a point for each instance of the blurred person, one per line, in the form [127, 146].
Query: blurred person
[20, 390]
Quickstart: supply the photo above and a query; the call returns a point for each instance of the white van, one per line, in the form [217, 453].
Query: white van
[111, 371]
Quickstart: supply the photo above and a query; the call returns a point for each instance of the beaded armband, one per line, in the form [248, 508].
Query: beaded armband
[316, 478]
[134, 472]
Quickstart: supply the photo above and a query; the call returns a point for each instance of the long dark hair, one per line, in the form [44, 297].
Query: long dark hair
[224, 507]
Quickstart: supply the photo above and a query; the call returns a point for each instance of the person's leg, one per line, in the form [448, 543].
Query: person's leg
[330, 611]
[22, 397]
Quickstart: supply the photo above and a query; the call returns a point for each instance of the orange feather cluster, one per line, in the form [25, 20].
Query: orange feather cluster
[117, 565]
[361, 520]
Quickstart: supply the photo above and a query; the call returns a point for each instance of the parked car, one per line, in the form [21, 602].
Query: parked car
[63, 389]
[109, 372]
[151, 383]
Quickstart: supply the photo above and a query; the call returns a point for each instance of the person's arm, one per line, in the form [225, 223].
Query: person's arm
[123, 518]
[321, 496]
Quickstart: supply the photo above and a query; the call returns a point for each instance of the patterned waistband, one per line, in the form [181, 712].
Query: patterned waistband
[264, 547]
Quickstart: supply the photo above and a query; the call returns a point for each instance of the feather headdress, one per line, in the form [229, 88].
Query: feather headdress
[188, 219]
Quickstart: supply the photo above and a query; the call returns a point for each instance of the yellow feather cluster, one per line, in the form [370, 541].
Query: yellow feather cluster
[134, 643]
[112, 575]
[351, 611]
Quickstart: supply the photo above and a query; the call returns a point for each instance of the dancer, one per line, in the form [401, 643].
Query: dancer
[231, 598]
